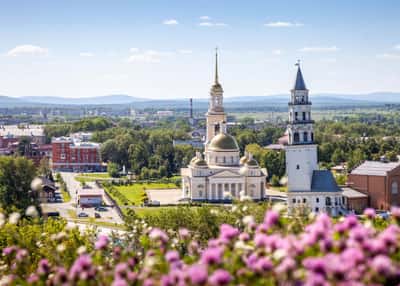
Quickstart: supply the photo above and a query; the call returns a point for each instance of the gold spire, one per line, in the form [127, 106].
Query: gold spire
[216, 65]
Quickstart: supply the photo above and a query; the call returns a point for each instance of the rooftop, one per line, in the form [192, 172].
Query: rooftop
[351, 193]
[323, 181]
[375, 168]
[18, 131]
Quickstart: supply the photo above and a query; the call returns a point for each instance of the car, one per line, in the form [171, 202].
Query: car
[100, 209]
[154, 203]
[97, 215]
[382, 214]
[82, 214]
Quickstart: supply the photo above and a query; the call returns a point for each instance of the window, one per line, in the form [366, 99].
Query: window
[312, 136]
[304, 200]
[316, 210]
[328, 201]
[317, 200]
[395, 188]
[216, 128]
[304, 116]
[295, 116]
[305, 136]
[62, 156]
[200, 193]
[294, 201]
[298, 167]
[296, 137]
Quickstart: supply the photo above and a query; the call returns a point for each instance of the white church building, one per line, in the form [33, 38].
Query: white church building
[220, 174]
[308, 187]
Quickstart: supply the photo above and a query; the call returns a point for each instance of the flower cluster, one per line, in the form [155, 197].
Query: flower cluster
[346, 252]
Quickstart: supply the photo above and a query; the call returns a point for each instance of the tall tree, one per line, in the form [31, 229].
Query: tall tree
[16, 175]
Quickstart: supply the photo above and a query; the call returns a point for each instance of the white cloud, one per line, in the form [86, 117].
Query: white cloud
[185, 52]
[329, 60]
[27, 50]
[170, 22]
[316, 49]
[388, 56]
[204, 18]
[277, 52]
[134, 50]
[212, 24]
[148, 56]
[281, 24]
[86, 54]
[397, 47]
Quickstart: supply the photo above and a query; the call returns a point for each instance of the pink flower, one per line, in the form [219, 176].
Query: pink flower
[220, 277]
[228, 232]
[382, 265]
[172, 256]
[44, 267]
[271, 218]
[198, 274]
[184, 233]
[102, 242]
[211, 256]
[395, 212]
[370, 213]
[158, 234]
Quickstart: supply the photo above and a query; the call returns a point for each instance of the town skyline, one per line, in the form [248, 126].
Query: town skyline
[159, 50]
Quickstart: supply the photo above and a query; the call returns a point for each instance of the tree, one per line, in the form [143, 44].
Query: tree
[112, 169]
[356, 157]
[16, 175]
[44, 169]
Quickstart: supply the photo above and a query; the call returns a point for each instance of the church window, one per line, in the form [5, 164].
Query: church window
[317, 200]
[251, 193]
[200, 193]
[294, 201]
[328, 201]
[298, 167]
[295, 116]
[395, 189]
[312, 136]
[296, 137]
[305, 136]
[304, 200]
[304, 116]
[343, 200]
[216, 128]
[316, 210]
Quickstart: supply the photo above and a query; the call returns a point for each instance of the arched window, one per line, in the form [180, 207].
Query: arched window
[305, 136]
[216, 129]
[328, 201]
[296, 137]
[395, 188]
[312, 136]
[304, 116]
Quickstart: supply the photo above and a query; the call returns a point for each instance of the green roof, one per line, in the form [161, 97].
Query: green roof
[223, 141]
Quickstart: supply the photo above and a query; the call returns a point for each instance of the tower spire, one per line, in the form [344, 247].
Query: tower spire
[299, 82]
[216, 65]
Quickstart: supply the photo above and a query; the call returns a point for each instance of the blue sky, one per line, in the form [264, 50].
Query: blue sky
[164, 49]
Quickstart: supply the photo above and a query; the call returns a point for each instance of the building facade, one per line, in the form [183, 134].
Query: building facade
[380, 181]
[308, 187]
[74, 155]
[220, 174]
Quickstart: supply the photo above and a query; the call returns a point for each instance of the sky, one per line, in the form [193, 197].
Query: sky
[165, 49]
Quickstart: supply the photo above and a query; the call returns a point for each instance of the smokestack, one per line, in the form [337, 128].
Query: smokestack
[191, 108]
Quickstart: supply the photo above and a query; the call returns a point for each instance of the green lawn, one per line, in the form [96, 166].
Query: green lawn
[88, 177]
[134, 193]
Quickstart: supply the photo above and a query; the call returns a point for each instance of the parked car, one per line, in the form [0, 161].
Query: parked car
[100, 209]
[82, 214]
[382, 214]
[97, 215]
[154, 203]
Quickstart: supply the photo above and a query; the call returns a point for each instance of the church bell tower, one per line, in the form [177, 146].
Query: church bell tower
[301, 152]
[215, 114]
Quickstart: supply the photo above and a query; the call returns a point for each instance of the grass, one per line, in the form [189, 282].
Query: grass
[89, 177]
[280, 188]
[135, 192]
[65, 195]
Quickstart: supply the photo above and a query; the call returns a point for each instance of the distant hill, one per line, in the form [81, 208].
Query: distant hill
[242, 102]
[98, 100]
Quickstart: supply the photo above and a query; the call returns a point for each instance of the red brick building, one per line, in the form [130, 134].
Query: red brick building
[380, 181]
[74, 155]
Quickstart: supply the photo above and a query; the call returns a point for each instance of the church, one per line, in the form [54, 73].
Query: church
[220, 175]
[308, 186]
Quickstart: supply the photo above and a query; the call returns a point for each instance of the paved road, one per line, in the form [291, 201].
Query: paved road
[66, 209]
[100, 229]
[165, 196]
